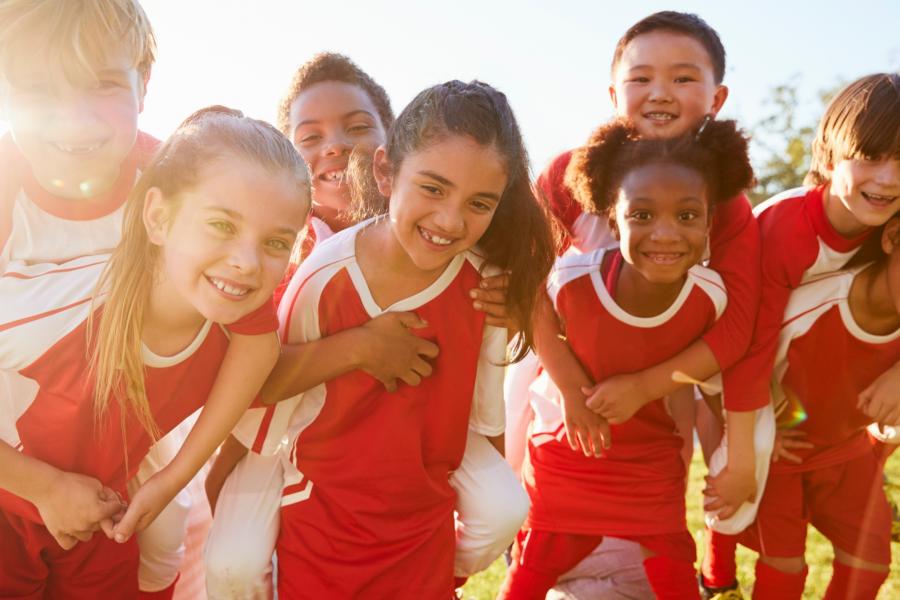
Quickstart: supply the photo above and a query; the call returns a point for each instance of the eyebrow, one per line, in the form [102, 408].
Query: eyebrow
[239, 217]
[675, 66]
[344, 116]
[443, 180]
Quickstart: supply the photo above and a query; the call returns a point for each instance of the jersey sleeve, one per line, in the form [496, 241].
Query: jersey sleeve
[488, 416]
[735, 254]
[262, 320]
[552, 192]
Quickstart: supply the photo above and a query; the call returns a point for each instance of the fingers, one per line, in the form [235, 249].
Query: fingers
[790, 456]
[390, 385]
[427, 349]
[596, 441]
[492, 296]
[606, 433]
[66, 541]
[125, 528]
[495, 282]
[492, 309]
[82, 536]
[410, 320]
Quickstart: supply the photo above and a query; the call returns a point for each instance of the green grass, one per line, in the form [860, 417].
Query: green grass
[818, 551]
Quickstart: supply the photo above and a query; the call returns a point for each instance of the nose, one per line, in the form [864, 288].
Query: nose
[449, 218]
[72, 111]
[245, 256]
[336, 144]
[659, 91]
[665, 230]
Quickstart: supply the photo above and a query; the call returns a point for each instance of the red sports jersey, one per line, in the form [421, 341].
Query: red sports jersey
[734, 250]
[799, 243]
[317, 230]
[638, 488]
[824, 360]
[368, 512]
[36, 226]
[43, 348]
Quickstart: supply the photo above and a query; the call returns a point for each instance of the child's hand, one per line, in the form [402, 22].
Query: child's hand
[490, 298]
[76, 506]
[881, 400]
[617, 399]
[585, 430]
[393, 353]
[728, 490]
[787, 440]
[150, 499]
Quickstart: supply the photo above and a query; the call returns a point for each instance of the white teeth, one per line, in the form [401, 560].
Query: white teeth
[76, 149]
[660, 116]
[666, 258]
[333, 176]
[434, 238]
[879, 197]
[230, 290]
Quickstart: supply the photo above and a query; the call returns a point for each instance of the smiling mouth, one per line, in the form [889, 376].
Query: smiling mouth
[434, 238]
[229, 288]
[336, 176]
[664, 258]
[659, 116]
[879, 199]
[76, 149]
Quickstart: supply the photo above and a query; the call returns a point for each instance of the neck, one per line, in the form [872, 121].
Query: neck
[642, 298]
[170, 324]
[334, 218]
[840, 217]
[871, 302]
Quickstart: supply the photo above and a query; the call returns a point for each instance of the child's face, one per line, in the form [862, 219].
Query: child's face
[442, 198]
[223, 251]
[665, 84]
[870, 189]
[661, 217]
[327, 121]
[75, 136]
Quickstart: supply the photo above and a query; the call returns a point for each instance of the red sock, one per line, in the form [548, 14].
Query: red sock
[522, 583]
[719, 569]
[772, 584]
[671, 578]
[848, 583]
[164, 594]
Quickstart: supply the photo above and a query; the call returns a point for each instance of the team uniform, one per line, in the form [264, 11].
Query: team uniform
[576, 500]
[38, 227]
[838, 485]
[491, 504]
[43, 349]
[367, 509]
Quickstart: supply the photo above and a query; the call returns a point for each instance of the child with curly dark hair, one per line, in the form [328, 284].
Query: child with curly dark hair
[649, 296]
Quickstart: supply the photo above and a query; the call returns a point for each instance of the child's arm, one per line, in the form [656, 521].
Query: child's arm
[247, 363]
[585, 430]
[72, 506]
[881, 400]
[736, 483]
[230, 454]
[683, 409]
[383, 347]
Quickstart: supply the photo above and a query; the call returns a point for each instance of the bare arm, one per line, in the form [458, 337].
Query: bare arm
[230, 454]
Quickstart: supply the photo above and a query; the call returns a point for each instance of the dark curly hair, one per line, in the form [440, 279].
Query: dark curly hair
[330, 66]
[519, 238]
[717, 151]
[677, 22]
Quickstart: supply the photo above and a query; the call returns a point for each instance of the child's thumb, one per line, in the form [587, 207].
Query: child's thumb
[125, 528]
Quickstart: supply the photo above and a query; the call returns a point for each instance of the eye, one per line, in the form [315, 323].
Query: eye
[222, 226]
[359, 128]
[688, 215]
[640, 79]
[640, 215]
[278, 244]
[430, 189]
[482, 206]
[684, 79]
[310, 138]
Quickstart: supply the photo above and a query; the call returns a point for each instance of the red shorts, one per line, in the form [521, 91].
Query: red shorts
[34, 566]
[845, 502]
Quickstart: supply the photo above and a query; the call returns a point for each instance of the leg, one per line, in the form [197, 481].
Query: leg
[242, 539]
[669, 564]
[539, 558]
[491, 506]
[779, 578]
[613, 571]
[719, 569]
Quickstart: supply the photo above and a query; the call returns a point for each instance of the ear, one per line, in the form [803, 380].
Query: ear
[156, 216]
[719, 99]
[613, 224]
[890, 237]
[144, 82]
[612, 96]
[383, 172]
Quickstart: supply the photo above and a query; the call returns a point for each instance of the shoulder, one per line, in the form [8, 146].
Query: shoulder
[810, 299]
[710, 283]
[785, 203]
[553, 192]
[572, 266]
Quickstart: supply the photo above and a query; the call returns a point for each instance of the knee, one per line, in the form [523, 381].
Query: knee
[791, 564]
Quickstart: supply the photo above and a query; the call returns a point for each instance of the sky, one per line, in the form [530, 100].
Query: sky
[550, 58]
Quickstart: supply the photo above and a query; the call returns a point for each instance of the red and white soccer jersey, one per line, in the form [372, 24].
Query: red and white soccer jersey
[638, 488]
[43, 341]
[799, 243]
[36, 226]
[369, 508]
[733, 252]
[824, 360]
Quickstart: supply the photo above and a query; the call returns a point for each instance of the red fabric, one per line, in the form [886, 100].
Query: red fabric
[797, 242]
[772, 584]
[262, 320]
[833, 423]
[845, 502]
[734, 253]
[719, 569]
[638, 488]
[848, 583]
[539, 558]
[378, 521]
[671, 579]
[35, 567]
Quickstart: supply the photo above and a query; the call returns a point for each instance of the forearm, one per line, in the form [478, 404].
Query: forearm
[303, 366]
[696, 361]
[740, 428]
[555, 354]
[23, 475]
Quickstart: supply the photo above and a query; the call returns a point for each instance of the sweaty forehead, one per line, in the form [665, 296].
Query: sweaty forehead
[58, 65]
[327, 100]
[663, 49]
